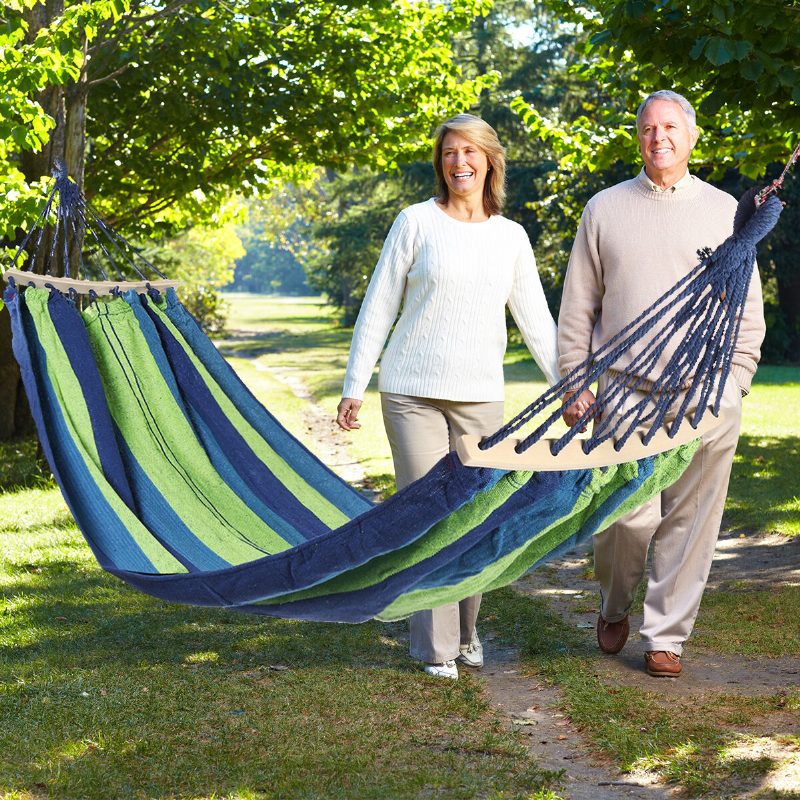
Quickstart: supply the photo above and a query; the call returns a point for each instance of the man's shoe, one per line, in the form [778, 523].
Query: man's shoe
[662, 664]
[611, 636]
[472, 654]
[446, 670]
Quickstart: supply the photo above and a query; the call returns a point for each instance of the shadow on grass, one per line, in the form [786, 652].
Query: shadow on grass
[763, 492]
[110, 693]
[71, 616]
[251, 344]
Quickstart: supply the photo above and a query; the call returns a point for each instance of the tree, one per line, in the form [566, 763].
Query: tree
[217, 249]
[182, 102]
[347, 215]
[41, 52]
[737, 62]
[736, 59]
[265, 268]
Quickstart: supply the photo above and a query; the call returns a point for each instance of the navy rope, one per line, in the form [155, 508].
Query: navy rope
[704, 308]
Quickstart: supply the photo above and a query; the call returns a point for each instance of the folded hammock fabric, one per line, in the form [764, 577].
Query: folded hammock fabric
[188, 489]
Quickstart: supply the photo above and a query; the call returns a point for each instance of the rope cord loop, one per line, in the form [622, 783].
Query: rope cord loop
[78, 251]
[698, 318]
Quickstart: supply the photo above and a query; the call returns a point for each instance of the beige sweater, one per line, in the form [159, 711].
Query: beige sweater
[454, 280]
[633, 243]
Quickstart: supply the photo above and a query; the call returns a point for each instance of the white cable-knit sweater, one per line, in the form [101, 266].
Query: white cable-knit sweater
[454, 280]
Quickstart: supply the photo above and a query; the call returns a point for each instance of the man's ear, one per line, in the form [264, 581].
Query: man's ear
[695, 135]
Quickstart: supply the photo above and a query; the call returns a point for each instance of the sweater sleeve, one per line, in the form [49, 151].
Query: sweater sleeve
[379, 309]
[582, 296]
[529, 308]
[751, 334]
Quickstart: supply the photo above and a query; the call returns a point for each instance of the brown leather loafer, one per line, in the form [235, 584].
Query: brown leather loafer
[611, 636]
[662, 664]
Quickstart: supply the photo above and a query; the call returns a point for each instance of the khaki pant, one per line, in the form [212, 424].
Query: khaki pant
[421, 431]
[682, 525]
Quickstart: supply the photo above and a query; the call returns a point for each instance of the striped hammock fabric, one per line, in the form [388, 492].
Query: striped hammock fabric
[188, 489]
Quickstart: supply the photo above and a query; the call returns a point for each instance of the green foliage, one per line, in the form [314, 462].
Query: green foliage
[202, 259]
[735, 59]
[29, 65]
[189, 100]
[222, 95]
[265, 268]
[336, 227]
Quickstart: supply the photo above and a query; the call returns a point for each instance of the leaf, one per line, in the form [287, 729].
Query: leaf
[634, 9]
[719, 51]
[742, 48]
[600, 37]
[775, 41]
[719, 13]
[788, 76]
[751, 69]
[697, 50]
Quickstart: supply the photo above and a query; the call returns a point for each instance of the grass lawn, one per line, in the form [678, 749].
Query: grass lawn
[636, 729]
[106, 693]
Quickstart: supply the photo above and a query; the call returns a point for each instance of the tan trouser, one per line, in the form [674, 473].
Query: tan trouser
[682, 523]
[421, 431]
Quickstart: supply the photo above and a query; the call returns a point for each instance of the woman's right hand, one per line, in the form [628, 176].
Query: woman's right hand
[347, 414]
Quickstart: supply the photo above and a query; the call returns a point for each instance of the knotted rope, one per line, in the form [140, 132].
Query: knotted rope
[705, 308]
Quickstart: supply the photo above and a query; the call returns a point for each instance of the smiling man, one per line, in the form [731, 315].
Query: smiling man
[634, 241]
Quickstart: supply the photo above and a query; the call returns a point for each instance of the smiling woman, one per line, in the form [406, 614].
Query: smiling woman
[453, 262]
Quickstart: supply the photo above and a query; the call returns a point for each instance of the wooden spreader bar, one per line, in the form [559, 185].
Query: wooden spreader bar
[24, 279]
[538, 457]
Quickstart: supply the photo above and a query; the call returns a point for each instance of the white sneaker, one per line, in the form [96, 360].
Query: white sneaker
[472, 653]
[446, 670]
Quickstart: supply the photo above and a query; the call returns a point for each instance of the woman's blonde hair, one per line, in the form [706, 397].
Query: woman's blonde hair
[483, 136]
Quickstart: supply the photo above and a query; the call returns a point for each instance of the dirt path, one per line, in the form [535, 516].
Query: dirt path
[534, 708]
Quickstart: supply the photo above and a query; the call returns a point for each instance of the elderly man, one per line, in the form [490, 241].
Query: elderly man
[635, 240]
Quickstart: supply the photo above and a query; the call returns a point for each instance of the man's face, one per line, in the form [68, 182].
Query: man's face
[665, 140]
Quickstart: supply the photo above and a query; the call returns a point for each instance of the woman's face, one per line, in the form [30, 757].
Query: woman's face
[464, 165]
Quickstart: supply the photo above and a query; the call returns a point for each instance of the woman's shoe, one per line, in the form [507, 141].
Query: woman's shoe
[472, 654]
[446, 670]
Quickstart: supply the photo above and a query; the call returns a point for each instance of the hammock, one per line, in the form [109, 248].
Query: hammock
[188, 489]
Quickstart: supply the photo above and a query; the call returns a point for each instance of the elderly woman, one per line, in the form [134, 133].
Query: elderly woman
[453, 263]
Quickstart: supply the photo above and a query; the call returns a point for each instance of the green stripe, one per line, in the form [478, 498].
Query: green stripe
[164, 443]
[443, 533]
[668, 468]
[316, 503]
[69, 394]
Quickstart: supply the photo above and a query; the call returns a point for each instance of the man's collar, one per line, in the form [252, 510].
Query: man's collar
[683, 183]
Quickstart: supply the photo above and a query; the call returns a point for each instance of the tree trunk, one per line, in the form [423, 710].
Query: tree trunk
[67, 106]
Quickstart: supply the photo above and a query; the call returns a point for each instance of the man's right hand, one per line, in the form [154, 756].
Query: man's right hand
[575, 406]
[347, 414]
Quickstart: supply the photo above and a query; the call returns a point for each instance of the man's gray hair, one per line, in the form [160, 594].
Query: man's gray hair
[667, 94]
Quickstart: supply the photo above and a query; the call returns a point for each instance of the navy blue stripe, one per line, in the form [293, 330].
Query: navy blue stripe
[536, 505]
[396, 522]
[172, 532]
[106, 535]
[149, 419]
[228, 474]
[519, 531]
[252, 470]
[75, 341]
[317, 474]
